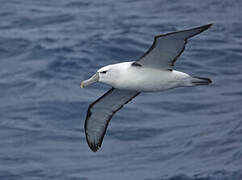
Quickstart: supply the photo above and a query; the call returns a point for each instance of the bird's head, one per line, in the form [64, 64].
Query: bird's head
[100, 76]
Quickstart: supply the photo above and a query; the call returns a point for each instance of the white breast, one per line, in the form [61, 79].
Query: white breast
[145, 79]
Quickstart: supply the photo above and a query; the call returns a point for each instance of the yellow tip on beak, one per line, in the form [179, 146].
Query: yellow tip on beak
[87, 82]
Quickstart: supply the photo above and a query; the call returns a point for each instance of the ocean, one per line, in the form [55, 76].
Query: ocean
[48, 47]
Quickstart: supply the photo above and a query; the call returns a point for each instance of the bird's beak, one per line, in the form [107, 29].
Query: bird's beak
[93, 79]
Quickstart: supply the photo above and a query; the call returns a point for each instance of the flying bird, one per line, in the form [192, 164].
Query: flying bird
[154, 71]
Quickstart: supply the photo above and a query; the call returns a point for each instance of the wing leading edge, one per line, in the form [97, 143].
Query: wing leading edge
[166, 48]
[100, 113]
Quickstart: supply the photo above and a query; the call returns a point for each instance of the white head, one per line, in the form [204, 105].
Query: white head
[110, 74]
[102, 75]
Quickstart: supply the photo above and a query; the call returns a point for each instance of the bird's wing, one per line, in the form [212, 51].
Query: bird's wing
[166, 48]
[101, 111]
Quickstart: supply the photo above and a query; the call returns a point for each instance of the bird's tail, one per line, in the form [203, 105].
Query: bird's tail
[197, 81]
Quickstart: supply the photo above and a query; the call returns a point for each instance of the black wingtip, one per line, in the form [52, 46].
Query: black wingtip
[204, 27]
[207, 26]
[200, 29]
[94, 148]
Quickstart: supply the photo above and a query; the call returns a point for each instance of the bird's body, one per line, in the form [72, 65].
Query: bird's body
[152, 72]
[144, 79]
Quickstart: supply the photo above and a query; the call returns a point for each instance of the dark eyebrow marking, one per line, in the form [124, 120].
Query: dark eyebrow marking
[136, 64]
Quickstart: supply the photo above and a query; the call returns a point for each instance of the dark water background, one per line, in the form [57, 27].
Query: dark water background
[47, 47]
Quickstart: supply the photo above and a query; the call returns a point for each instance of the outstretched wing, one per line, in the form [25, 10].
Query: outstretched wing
[167, 48]
[101, 111]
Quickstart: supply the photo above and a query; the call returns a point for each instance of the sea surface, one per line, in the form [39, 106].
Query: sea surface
[47, 47]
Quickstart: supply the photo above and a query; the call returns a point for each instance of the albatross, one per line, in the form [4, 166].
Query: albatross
[152, 72]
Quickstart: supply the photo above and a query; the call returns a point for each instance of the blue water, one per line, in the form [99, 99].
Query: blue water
[48, 47]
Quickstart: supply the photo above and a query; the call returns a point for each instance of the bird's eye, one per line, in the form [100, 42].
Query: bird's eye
[103, 72]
